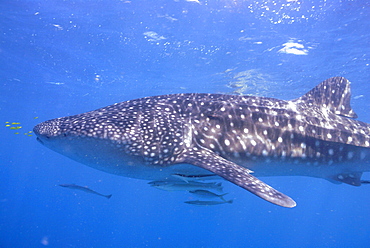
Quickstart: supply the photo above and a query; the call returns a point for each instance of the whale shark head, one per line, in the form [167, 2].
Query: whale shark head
[119, 138]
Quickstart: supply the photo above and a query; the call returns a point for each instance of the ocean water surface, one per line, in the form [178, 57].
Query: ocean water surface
[60, 58]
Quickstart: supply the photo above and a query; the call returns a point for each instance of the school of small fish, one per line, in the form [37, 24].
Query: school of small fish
[15, 125]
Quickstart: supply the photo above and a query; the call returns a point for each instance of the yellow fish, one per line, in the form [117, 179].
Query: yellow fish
[16, 128]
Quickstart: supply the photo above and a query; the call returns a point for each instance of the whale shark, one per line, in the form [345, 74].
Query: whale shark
[238, 138]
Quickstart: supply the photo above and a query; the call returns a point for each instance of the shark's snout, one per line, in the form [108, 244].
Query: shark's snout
[47, 129]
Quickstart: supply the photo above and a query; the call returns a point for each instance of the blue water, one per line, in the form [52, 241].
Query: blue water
[60, 58]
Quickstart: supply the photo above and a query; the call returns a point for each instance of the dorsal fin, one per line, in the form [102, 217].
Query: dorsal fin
[334, 94]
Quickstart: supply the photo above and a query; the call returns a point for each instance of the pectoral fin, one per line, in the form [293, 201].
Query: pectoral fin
[238, 175]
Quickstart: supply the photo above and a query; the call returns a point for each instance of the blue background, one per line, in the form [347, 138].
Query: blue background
[59, 58]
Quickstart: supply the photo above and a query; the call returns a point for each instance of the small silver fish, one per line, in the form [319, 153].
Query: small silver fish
[83, 188]
[177, 186]
[207, 194]
[208, 203]
[188, 178]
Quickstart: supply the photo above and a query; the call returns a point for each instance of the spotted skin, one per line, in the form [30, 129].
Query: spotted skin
[232, 136]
